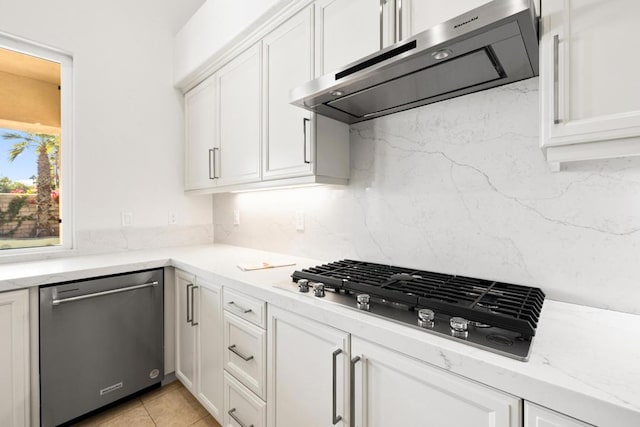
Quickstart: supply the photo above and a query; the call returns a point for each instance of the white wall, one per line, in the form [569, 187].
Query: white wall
[462, 187]
[128, 117]
[214, 25]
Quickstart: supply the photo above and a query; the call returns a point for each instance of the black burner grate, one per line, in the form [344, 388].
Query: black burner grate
[513, 307]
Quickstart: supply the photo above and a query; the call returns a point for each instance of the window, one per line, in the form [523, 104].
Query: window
[35, 146]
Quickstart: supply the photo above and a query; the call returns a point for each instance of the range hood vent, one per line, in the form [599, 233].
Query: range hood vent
[490, 46]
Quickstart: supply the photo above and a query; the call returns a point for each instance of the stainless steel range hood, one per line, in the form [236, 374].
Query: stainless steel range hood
[489, 46]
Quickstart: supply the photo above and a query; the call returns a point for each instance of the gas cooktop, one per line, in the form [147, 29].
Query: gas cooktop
[495, 316]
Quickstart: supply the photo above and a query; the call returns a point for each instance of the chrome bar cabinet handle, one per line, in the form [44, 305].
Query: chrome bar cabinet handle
[211, 166]
[240, 308]
[193, 306]
[399, 12]
[236, 419]
[215, 172]
[99, 294]
[232, 349]
[382, 3]
[189, 319]
[352, 391]
[304, 138]
[556, 94]
[336, 417]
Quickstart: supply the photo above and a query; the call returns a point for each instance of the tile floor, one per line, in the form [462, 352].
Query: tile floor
[171, 405]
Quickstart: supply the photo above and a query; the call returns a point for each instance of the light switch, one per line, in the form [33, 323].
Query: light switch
[236, 217]
[127, 219]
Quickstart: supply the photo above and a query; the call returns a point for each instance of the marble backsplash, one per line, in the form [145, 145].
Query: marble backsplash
[462, 187]
[136, 238]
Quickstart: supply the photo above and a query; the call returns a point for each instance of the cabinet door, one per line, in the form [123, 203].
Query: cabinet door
[301, 360]
[588, 75]
[185, 331]
[288, 62]
[200, 134]
[238, 158]
[348, 30]
[14, 358]
[392, 389]
[208, 316]
[537, 416]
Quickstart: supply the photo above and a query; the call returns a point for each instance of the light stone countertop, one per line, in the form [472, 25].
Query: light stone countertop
[584, 362]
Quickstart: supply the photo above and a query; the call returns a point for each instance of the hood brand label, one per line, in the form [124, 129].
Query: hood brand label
[468, 21]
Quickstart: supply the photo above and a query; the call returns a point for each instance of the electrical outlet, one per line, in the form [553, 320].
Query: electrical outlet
[299, 220]
[173, 218]
[236, 217]
[126, 219]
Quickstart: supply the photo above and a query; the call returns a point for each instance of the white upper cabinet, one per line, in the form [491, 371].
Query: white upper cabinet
[200, 134]
[239, 117]
[391, 389]
[298, 143]
[288, 62]
[348, 30]
[589, 79]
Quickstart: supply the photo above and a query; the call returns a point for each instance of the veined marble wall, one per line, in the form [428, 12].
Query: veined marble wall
[462, 187]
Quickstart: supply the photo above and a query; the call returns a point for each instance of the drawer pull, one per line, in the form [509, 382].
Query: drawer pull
[240, 308]
[232, 349]
[236, 419]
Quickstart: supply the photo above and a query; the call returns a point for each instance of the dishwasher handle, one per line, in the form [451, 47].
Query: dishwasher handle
[99, 294]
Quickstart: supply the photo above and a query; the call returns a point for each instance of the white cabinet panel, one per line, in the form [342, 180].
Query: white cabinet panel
[537, 416]
[246, 307]
[199, 340]
[586, 77]
[288, 58]
[394, 389]
[200, 131]
[238, 85]
[208, 316]
[301, 355]
[347, 30]
[185, 332]
[245, 353]
[14, 358]
[243, 407]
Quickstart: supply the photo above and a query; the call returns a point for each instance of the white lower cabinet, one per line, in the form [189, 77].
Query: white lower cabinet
[308, 362]
[392, 389]
[14, 358]
[311, 368]
[199, 340]
[537, 416]
[244, 408]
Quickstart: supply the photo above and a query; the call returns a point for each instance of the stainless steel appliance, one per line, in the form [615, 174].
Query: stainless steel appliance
[495, 316]
[100, 340]
[492, 45]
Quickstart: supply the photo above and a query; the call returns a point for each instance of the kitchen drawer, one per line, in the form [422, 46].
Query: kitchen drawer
[250, 309]
[245, 347]
[242, 407]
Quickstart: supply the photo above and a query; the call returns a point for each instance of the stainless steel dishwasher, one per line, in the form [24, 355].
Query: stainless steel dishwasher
[101, 340]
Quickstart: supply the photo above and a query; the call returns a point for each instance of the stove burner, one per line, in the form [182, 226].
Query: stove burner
[502, 317]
